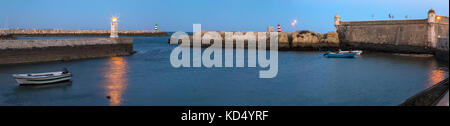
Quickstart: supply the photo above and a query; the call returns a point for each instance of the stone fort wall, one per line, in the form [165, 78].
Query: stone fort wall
[422, 36]
[442, 46]
[404, 36]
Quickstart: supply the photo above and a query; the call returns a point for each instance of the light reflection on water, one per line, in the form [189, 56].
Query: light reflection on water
[116, 80]
[436, 76]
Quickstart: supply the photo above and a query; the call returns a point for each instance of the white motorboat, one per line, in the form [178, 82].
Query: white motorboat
[358, 52]
[43, 78]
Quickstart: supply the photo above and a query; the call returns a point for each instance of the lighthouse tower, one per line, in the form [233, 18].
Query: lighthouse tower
[279, 28]
[114, 29]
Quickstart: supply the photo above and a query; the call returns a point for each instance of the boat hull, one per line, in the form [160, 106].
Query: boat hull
[40, 81]
[340, 55]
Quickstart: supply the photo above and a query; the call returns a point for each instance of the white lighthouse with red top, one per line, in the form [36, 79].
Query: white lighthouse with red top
[279, 28]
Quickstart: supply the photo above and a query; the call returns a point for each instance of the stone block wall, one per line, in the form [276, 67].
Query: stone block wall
[400, 36]
[32, 51]
[441, 51]
[58, 33]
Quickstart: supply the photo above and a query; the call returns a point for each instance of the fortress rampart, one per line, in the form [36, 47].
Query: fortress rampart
[421, 36]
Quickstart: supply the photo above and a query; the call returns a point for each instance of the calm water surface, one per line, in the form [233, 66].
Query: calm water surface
[304, 78]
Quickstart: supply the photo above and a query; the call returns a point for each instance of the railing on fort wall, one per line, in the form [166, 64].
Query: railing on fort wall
[384, 22]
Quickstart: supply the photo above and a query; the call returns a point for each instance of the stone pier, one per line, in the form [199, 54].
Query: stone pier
[45, 50]
[300, 40]
[77, 33]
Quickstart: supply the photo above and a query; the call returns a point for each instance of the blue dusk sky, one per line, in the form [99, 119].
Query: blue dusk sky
[179, 15]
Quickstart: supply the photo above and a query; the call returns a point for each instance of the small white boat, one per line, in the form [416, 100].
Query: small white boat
[43, 78]
[330, 54]
[358, 52]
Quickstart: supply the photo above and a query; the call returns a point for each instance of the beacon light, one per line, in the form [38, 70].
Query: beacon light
[438, 17]
[114, 19]
[294, 22]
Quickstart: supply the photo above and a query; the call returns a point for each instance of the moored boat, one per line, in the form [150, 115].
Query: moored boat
[330, 54]
[43, 78]
[358, 52]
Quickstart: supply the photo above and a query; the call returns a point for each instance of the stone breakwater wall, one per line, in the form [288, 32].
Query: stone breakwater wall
[64, 33]
[300, 40]
[5, 36]
[309, 40]
[45, 50]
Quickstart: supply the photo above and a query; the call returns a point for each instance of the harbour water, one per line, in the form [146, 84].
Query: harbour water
[304, 78]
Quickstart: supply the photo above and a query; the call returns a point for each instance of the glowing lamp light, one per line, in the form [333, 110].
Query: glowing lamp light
[114, 19]
[438, 17]
[294, 22]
